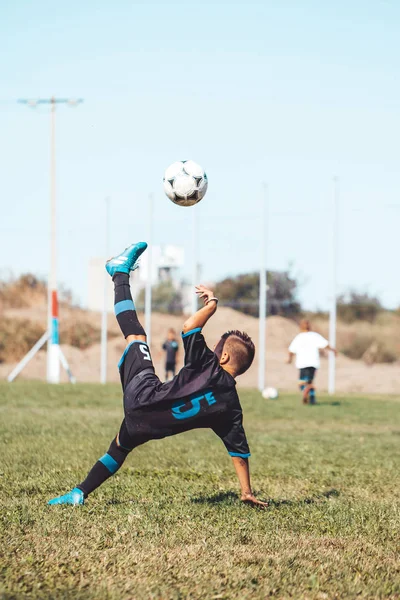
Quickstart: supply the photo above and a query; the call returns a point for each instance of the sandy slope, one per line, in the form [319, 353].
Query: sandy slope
[352, 376]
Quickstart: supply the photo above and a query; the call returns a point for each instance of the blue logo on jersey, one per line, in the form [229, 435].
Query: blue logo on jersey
[181, 410]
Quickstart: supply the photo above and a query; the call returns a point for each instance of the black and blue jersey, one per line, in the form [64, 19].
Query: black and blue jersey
[171, 348]
[201, 395]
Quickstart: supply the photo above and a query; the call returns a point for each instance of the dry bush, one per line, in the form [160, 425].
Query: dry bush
[17, 337]
[80, 334]
[378, 353]
[357, 346]
[25, 291]
[377, 342]
[29, 291]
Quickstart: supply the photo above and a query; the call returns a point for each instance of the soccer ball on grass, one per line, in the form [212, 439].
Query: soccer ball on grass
[185, 182]
[270, 393]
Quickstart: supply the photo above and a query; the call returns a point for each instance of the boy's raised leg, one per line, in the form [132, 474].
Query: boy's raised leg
[119, 268]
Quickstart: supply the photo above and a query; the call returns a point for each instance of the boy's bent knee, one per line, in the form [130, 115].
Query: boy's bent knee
[117, 453]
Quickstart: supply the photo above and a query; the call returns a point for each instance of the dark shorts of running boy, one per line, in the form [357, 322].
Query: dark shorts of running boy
[307, 374]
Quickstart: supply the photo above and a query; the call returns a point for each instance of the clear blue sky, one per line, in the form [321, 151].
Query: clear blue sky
[289, 92]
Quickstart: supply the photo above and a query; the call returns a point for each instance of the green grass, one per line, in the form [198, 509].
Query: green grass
[169, 524]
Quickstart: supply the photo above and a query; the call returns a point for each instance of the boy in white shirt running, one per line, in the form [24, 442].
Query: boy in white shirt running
[306, 346]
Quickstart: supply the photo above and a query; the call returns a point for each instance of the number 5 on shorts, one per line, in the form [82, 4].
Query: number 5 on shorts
[144, 349]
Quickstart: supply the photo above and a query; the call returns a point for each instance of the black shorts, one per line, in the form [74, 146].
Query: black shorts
[307, 374]
[136, 364]
[137, 374]
[170, 366]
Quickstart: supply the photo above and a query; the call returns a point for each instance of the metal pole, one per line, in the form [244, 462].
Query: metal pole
[263, 291]
[65, 364]
[53, 344]
[332, 315]
[195, 258]
[147, 307]
[53, 354]
[104, 316]
[35, 348]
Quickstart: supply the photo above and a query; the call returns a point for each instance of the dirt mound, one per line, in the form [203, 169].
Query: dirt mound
[352, 375]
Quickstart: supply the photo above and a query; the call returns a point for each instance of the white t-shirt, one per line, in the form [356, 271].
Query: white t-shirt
[306, 346]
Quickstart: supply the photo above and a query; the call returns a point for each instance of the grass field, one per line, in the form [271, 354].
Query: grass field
[170, 525]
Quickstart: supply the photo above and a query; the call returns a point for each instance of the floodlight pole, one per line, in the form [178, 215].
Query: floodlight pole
[53, 342]
[54, 354]
[195, 258]
[332, 315]
[104, 316]
[148, 293]
[262, 305]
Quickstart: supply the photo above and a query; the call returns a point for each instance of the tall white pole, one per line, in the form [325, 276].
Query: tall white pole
[263, 289]
[332, 315]
[195, 257]
[53, 354]
[147, 307]
[104, 316]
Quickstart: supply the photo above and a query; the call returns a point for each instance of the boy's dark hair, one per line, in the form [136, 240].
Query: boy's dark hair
[240, 348]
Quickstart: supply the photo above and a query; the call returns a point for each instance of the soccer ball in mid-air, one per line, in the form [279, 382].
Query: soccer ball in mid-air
[185, 182]
[270, 393]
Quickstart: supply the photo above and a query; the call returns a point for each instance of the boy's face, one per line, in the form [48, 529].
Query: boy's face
[171, 335]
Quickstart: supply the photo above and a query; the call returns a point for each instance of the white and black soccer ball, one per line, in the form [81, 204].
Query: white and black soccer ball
[270, 393]
[185, 182]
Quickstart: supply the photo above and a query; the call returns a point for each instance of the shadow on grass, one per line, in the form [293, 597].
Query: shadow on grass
[216, 498]
[310, 500]
[231, 497]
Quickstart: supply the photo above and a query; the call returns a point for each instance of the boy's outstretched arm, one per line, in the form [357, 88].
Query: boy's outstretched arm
[243, 472]
[200, 318]
[335, 352]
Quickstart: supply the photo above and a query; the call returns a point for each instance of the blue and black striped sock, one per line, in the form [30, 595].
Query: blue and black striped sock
[312, 396]
[124, 306]
[104, 468]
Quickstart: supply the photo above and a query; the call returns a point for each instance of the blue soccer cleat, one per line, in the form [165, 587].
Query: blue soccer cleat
[126, 261]
[73, 498]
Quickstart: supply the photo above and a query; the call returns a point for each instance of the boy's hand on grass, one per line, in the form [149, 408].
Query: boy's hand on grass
[204, 293]
[252, 501]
